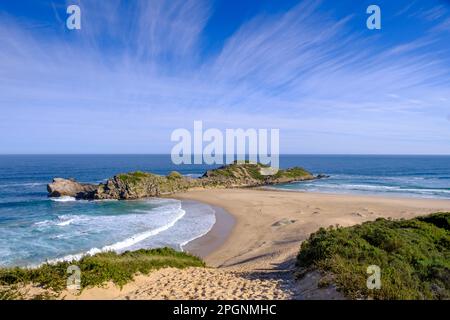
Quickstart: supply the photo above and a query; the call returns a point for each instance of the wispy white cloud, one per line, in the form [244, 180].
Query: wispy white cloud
[135, 72]
[433, 13]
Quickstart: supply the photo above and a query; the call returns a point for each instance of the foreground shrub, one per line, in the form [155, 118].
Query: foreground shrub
[100, 268]
[414, 257]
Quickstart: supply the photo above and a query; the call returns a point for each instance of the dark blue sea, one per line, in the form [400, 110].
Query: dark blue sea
[35, 229]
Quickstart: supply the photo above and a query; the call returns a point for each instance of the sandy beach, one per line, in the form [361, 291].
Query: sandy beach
[271, 224]
[256, 256]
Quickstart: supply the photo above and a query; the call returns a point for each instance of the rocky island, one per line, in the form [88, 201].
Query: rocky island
[136, 185]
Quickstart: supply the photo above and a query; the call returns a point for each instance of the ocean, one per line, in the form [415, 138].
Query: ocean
[35, 229]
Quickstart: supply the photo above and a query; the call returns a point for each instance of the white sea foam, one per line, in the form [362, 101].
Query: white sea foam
[364, 187]
[42, 223]
[65, 223]
[355, 187]
[184, 243]
[27, 184]
[63, 220]
[128, 242]
[144, 235]
[63, 199]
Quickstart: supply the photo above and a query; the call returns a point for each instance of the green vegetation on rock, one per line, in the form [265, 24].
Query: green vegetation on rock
[133, 177]
[137, 185]
[97, 269]
[292, 173]
[237, 170]
[253, 171]
[414, 257]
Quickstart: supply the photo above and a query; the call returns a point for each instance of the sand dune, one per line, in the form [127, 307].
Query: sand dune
[195, 283]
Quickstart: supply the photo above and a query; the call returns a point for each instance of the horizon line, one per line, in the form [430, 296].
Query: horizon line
[168, 154]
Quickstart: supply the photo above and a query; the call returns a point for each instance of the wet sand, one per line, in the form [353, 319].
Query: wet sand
[215, 238]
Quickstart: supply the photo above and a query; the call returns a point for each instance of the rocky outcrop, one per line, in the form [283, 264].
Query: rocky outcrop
[69, 187]
[253, 175]
[136, 185]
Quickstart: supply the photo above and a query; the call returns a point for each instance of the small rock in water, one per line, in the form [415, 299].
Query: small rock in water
[68, 187]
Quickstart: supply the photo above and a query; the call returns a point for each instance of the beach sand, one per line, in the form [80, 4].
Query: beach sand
[256, 259]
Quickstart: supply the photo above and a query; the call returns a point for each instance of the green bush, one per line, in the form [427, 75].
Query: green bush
[294, 172]
[133, 177]
[174, 175]
[100, 268]
[414, 257]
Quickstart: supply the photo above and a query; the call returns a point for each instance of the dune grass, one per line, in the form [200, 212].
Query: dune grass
[97, 269]
[414, 257]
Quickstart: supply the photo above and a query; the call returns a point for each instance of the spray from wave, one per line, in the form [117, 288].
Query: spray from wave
[63, 199]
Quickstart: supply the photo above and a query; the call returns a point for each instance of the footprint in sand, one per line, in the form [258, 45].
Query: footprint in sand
[357, 214]
[283, 222]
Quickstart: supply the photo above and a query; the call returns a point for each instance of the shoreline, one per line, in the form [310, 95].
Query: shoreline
[404, 196]
[205, 244]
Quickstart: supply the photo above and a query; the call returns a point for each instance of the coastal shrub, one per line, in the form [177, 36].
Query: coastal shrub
[292, 173]
[413, 255]
[133, 177]
[100, 268]
[10, 294]
[255, 171]
[174, 175]
[225, 171]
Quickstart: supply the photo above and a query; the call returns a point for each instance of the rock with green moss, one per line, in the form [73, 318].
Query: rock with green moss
[254, 174]
[137, 185]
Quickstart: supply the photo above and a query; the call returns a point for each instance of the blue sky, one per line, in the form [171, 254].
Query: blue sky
[137, 70]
